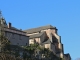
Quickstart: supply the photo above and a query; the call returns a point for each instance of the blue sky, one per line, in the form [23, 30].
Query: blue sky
[64, 14]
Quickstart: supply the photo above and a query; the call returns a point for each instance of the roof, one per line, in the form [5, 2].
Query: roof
[36, 35]
[3, 22]
[33, 30]
[13, 28]
[47, 41]
[67, 54]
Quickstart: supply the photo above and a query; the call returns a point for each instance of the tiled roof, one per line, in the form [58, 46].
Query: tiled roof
[36, 35]
[13, 28]
[33, 30]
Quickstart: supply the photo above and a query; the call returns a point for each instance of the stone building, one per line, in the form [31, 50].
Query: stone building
[67, 56]
[14, 35]
[48, 37]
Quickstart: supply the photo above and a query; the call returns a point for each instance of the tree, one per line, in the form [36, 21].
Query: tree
[3, 40]
[30, 50]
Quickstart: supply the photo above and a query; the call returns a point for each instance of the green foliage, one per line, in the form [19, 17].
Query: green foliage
[47, 53]
[17, 54]
[5, 43]
[3, 40]
[24, 56]
[61, 58]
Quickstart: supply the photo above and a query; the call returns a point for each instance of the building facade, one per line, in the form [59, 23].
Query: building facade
[45, 36]
[14, 35]
[48, 37]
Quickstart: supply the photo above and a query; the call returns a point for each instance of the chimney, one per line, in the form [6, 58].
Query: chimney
[9, 25]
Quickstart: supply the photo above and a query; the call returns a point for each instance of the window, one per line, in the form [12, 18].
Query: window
[26, 43]
[31, 41]
[47, 45]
